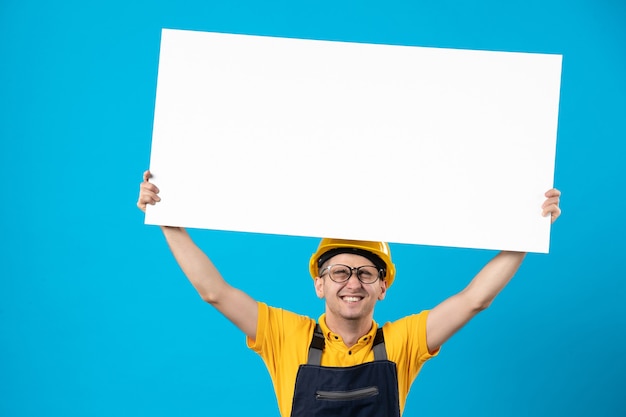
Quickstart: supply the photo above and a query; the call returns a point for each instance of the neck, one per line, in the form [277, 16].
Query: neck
[349, 330]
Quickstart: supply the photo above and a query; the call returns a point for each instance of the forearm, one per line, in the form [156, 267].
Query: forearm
[453, 313]
[234, 304]
[494, 276]
[198, 268]
[449, 316]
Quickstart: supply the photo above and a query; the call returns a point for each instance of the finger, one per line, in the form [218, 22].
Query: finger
[552, 193]
[555, 213]
[141, 203]
[553, 210]
[148, 187]
[145, 199]
[146, 175]
[549, 209]
[551, 201]
[149, 197]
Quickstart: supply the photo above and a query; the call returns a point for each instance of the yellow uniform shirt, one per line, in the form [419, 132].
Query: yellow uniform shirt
[283, 340]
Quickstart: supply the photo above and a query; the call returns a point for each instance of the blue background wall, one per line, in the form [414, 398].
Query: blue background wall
[97, 320]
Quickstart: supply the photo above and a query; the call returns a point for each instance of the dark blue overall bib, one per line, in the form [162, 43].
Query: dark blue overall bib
[369, 389]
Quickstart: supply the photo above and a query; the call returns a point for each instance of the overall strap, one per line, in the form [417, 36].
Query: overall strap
[317, 346]
[380, 353]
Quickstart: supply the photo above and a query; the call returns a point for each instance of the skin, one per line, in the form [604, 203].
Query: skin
[349, 319]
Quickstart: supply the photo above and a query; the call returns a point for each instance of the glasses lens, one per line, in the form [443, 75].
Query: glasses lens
[340, 273]
[367, 274]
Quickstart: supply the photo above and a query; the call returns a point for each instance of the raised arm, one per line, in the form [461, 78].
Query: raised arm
[236, 305]
[452, 314]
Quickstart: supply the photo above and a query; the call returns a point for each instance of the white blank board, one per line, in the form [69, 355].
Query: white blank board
[402, 144]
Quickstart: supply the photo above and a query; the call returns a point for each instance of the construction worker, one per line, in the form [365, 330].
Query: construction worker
[343, 364]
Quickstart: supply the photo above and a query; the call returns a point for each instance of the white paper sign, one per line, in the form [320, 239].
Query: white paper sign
[376, 142]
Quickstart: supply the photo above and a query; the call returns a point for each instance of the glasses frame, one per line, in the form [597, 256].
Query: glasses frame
[356, 268]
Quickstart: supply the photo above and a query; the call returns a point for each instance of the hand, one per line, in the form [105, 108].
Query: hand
[551, 205]
[148, 192]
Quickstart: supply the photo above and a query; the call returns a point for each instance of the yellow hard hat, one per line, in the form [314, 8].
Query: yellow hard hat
[377, 252]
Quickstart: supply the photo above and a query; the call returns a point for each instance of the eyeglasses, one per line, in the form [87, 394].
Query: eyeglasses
[341, 273]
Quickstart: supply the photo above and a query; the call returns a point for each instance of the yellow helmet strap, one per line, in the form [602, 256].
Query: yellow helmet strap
[375, 259]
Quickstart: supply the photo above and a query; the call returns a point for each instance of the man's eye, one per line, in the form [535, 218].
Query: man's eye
[341, 272]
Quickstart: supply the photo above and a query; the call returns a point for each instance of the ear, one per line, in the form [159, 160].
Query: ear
[319, 287]
[383, 290]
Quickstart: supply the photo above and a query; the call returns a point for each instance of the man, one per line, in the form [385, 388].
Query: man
[343, 365]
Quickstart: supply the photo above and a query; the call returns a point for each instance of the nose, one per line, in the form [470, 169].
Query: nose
[354, 281]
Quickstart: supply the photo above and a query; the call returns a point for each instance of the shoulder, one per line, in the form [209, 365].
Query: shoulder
[407, 334]
[283, 321]
[280, 314]
[278, 328]
[408, 324]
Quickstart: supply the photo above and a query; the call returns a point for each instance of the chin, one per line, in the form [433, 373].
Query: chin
[355, 315]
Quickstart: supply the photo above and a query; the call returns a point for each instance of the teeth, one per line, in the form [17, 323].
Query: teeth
[351, 299]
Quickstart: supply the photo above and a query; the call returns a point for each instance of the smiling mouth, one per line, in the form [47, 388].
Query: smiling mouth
[351, 298]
